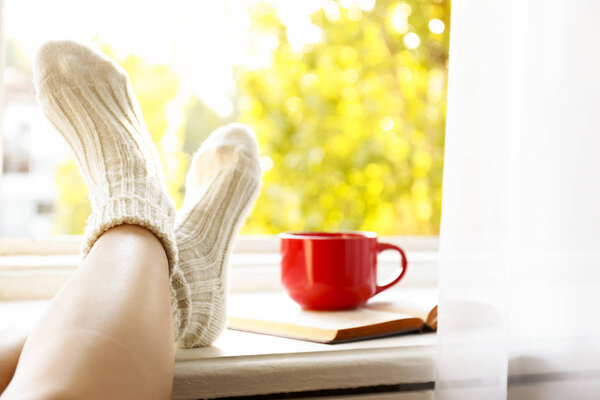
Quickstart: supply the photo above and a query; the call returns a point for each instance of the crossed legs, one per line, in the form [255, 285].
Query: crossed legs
[108, 332]
[147, 281]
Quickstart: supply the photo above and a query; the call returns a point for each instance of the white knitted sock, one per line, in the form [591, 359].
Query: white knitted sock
[89, 99]
[221, 186]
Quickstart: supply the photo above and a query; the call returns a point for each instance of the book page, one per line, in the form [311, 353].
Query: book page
[279, 308]
[416, 301]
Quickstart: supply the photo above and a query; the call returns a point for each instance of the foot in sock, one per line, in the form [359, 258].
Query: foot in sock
[89, 99]
[221, 186]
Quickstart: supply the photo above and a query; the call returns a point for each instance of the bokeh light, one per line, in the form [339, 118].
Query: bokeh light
[436, 26]
[412, 40]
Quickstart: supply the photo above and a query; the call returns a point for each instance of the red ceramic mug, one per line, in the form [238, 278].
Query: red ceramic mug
[333, 271]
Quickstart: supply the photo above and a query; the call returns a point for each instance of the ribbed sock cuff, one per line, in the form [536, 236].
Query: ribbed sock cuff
[136, 211]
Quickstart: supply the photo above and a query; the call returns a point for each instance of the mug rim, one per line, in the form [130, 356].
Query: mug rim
[314, 235]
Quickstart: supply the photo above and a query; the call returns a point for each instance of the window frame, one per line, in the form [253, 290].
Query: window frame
[37, 268]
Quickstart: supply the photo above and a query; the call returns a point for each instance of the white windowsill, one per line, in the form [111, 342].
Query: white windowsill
[247, 364]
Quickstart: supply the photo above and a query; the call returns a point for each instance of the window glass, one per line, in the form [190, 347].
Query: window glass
[347, 99]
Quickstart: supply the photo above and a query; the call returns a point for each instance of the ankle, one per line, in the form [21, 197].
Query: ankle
[130, 241]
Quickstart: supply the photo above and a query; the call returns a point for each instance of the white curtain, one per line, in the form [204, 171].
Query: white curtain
[519, 313]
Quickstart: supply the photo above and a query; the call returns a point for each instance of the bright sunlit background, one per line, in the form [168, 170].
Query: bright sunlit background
[347, 99]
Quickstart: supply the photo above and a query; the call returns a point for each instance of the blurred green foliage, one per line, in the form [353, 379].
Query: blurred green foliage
[353, 124]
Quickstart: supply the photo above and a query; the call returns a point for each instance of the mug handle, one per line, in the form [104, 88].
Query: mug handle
[387, 246]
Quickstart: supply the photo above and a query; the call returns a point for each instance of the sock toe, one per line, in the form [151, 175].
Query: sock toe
[66, 58]
[231, 146]
[234, 135]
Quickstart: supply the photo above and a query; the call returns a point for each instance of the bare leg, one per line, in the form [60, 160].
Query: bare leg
[15, 325]
[11, 344]
[108, 332]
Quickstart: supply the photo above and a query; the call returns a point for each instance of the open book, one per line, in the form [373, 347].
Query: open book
[393, 312]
